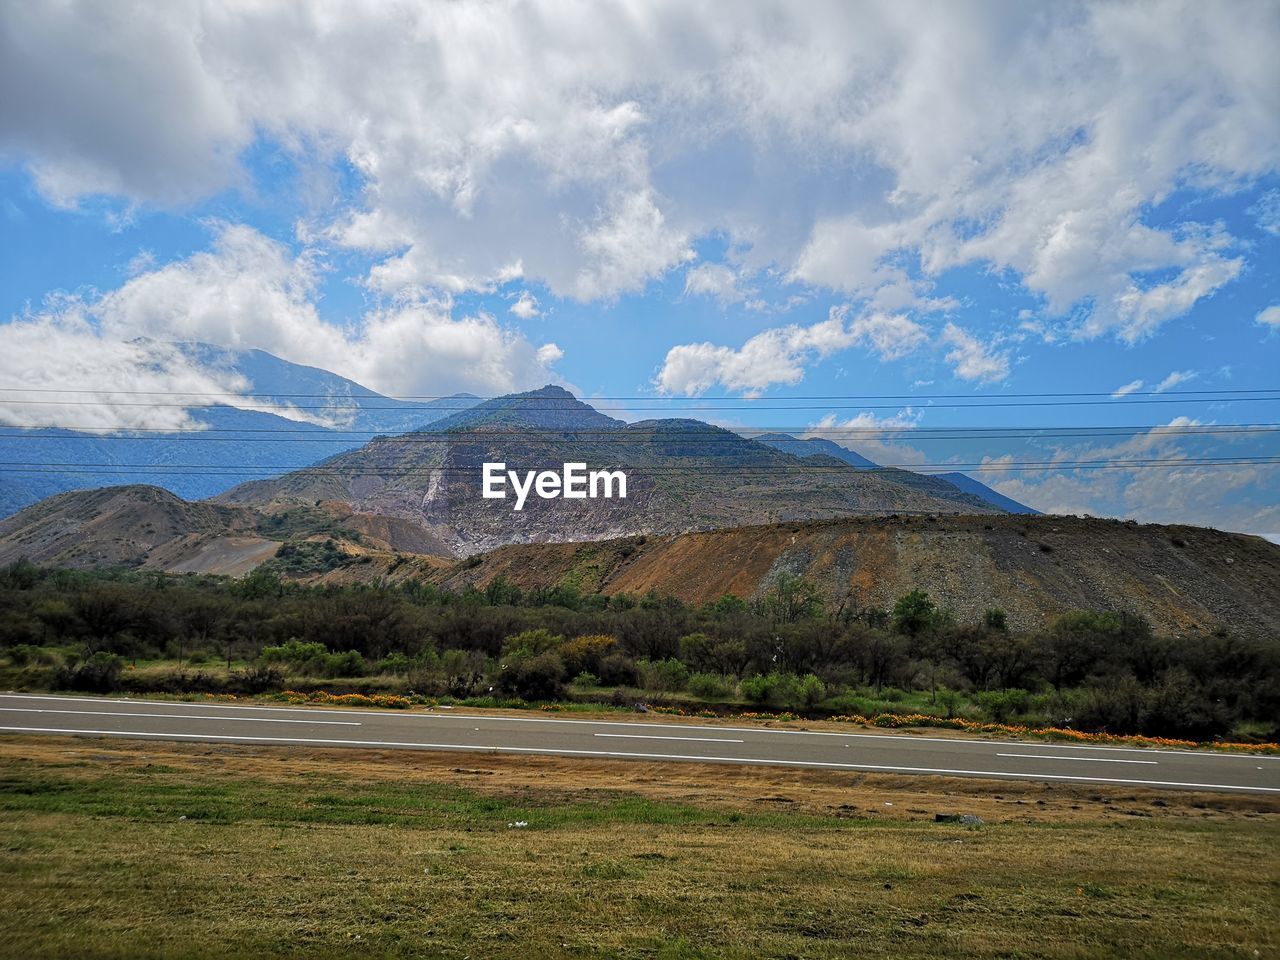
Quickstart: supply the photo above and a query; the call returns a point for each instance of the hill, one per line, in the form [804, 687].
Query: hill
[1035, 568]
[229, 445]
[681, 475]
[944, 485]
[151, 528]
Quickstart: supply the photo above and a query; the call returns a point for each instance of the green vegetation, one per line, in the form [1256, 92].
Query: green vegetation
[124, 857]
[307, 556]
[1101, 671]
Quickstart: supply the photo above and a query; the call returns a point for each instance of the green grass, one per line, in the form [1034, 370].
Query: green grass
[221, 858]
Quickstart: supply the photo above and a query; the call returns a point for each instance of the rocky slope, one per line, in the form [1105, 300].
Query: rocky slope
[1034, 567]
[682, 475]
[147, 527]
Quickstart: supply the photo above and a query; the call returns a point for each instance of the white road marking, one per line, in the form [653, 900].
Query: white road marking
[649, 736]
[549, 751]
[900, 737]
[1046, 756]
[181, 716]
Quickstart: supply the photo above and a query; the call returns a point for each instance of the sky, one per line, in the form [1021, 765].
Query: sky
[842, 219]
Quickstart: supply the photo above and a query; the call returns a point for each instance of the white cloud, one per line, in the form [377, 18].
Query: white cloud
[1270, 317]
[1128, 388]
[77, 376]
[627, 247]
[712, 280]
[1266, 212]
[893, 336]
[526, 308]
[974, 360]
[1173, 379]
[250, 291]
[780, 354]
[1175, 486]
[586, 145]
[873, 437]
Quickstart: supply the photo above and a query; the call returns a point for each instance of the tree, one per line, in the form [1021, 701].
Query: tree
[914, 614]
[791, 600]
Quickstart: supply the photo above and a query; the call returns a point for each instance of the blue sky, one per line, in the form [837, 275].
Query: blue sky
[735, 204]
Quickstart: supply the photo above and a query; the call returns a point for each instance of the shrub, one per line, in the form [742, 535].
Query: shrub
[619, 670]
[315, 660]
[26, 654]
[531, 642]
[99, 673]
[708, 686]
[585, 680]
[396, 663]
[585, 653]
[807, 691]
[538, 676]
[999, 706]
[668, 675]
[257, 678]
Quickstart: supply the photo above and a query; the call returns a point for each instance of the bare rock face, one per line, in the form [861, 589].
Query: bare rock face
[682, 475]
[1182, 579]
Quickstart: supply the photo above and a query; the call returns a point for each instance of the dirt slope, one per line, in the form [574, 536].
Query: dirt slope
[116, 526]
[1036, 568]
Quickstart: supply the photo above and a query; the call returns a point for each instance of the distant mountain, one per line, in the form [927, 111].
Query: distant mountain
[997, 500]
[813, 446]
[948, 486]
[682, 475]
[313, 393]
[234, 445]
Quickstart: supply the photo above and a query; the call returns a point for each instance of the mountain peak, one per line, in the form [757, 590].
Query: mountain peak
[552, 408]
[551, 390]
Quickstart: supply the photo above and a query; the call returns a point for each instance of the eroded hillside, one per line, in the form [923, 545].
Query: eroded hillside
[1035, 568]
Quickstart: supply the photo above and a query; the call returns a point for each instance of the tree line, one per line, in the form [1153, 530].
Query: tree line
[1090, 669]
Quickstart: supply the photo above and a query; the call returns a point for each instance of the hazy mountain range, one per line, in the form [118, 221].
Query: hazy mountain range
[235, 445]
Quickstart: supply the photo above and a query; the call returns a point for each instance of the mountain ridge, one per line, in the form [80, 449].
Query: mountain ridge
[683, 474]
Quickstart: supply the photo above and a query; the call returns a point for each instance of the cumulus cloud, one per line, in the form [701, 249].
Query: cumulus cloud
[1176, 486]
[879, 439]
[973, 359]
[250, 291]
[1128, 388]
[779, 355]
[586, 145]
[526, 308]
[44, 354]
[1173, 379]
[1270, 317]
[712, 280]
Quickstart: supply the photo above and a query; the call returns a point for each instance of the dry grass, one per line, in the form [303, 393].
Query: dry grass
[295, 852]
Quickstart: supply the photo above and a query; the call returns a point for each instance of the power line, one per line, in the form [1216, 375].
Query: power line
[332, 408]
[674, 399]
[629, 434]
[799, 468]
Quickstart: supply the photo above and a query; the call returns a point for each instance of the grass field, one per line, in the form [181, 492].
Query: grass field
[115, 849]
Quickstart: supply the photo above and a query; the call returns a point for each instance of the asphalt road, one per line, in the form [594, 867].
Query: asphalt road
[444, 729]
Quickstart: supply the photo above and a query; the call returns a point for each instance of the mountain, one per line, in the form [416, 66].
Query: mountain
[148, 527]
[1182, 579]
[229, 446]
[981, 490]
[681, 474]
[121, 526]
[948, 486]
[813, 446]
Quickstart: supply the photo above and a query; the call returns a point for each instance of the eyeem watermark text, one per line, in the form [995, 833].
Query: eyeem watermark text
[572, 483]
